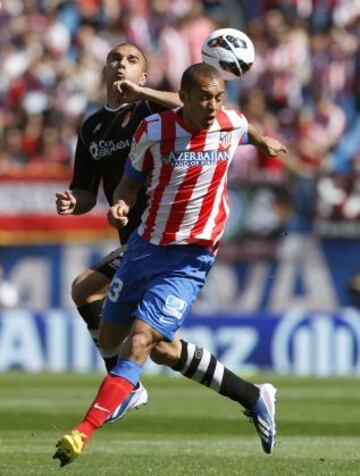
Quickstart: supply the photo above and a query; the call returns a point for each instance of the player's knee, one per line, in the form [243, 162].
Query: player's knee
[139, 344]
[89, 286]
[78, 290]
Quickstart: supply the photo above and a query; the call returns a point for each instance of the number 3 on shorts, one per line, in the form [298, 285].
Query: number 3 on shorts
[115, 289]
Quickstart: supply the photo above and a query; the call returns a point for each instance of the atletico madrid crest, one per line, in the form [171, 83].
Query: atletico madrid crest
[225, 140]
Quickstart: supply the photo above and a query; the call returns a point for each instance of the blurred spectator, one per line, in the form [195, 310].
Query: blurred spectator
[318, 131]
[287, 62]
[181, 44]
[52, 54]
[250, 159]
[9, 296]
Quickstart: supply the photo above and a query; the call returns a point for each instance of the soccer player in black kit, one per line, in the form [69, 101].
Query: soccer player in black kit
[103, 147]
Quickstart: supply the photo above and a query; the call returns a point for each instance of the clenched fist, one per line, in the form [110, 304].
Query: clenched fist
[117, 215]
[65, 203]
[128, 90]
[273, 147]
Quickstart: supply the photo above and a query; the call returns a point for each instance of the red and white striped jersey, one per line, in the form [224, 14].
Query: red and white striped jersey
[188, 201]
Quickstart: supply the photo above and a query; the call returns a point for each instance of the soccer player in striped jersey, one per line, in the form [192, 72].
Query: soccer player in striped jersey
[102, 149]
[184, 154]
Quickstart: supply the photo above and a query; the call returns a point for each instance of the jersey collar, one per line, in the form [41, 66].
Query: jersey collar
[115, 109]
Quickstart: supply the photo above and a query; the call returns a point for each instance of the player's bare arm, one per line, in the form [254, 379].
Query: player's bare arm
[124, 198]
[135, 92]
[74, 202]
[269, 145]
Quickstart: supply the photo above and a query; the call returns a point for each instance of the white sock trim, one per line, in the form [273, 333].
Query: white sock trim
[203, 366]
[191, 350]
[218, 377]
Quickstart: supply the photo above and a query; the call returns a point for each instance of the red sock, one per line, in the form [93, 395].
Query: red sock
[112, 392]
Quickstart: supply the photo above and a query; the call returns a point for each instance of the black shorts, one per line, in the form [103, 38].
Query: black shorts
[110, 263]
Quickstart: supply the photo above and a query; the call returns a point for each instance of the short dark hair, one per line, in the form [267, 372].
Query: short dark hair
[192, 73]
[128, 43]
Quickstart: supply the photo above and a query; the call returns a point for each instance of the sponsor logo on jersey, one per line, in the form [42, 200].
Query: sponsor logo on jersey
[174, 306]
[94, 150]
[105, 148]
[188, 158]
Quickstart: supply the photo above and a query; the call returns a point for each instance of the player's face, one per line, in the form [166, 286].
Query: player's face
[125, 62]
[203, 101]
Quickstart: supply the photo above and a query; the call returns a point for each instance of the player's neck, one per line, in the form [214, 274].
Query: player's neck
[114, 103]
[188, 122]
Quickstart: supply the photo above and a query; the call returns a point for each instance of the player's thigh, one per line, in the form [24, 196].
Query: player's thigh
[92, 284]
[126, 288]
[174, 278]
[167, 301]
[109, 264]
[111, 336]
[116, 318]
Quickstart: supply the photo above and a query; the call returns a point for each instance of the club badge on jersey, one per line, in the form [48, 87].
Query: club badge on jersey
[126, 119]
[225, 140]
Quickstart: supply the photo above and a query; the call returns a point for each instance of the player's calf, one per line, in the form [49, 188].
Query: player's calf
[198, 364]
[91, 315]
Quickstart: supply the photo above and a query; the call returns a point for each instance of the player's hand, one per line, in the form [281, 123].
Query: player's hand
[117, 215]
[128, 90]
[65, 203]
[273, 147]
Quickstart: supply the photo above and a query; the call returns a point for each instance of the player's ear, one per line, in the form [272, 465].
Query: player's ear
[143, 79]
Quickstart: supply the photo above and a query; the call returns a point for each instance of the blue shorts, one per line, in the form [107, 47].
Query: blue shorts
[157, 284]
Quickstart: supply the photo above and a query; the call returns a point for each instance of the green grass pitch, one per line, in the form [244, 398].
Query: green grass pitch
[184, 430]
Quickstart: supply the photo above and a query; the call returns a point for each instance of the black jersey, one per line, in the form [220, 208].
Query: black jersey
[101, 152]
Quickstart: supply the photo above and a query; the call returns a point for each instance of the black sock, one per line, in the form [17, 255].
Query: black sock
[198, 364]
[110, 362]
[91, 315]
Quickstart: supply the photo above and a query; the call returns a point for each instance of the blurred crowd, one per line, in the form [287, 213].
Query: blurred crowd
[304, 85]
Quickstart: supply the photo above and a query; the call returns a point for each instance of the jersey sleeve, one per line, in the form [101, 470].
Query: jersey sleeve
[244, 127]
[139, 163]
[86, 175]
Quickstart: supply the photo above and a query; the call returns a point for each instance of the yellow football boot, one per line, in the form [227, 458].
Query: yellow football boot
[69, 447]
